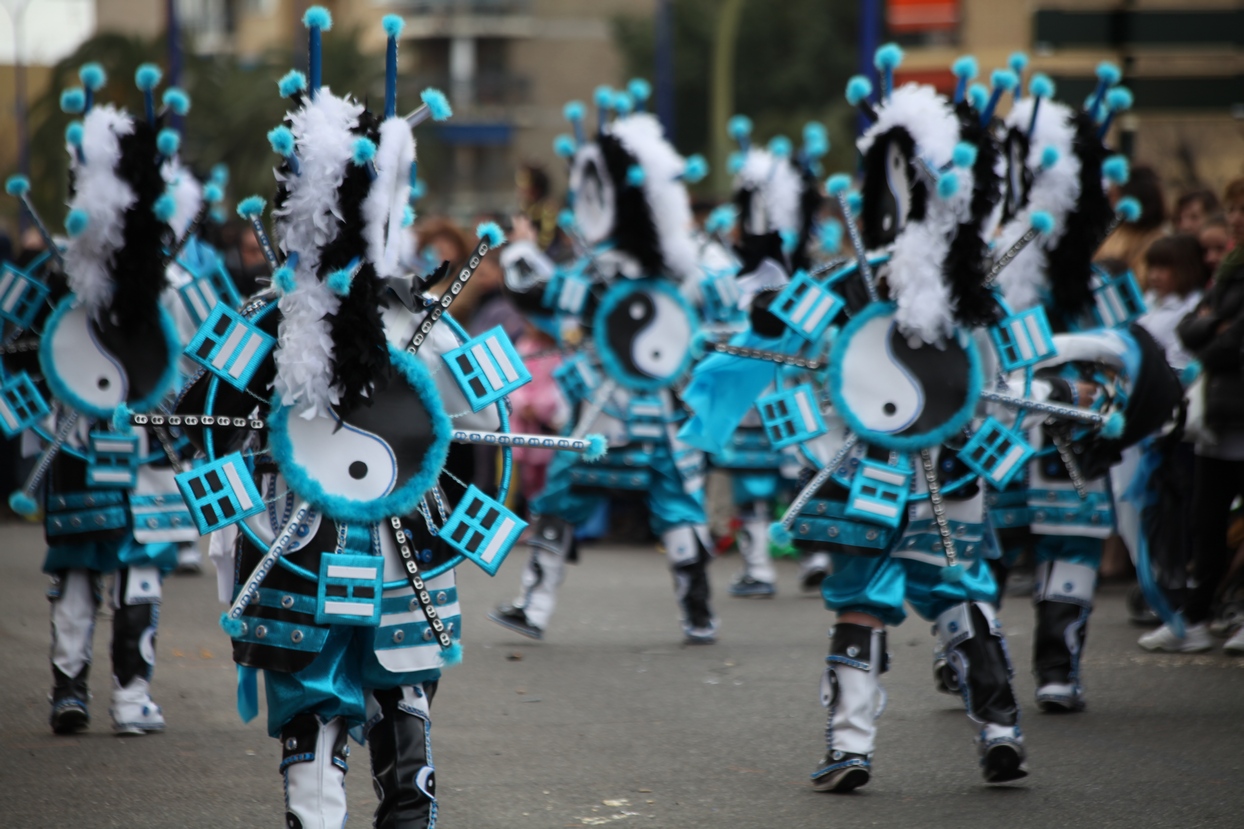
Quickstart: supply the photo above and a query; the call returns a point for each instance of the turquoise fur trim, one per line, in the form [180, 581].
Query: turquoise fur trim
[1018, 61]
[339, 282]
[721, 220]
[164, 207]
[1042, 222]
[565, 219]
[739, 126]
[1049, 157]
[780, 146]
[1115, 169]
[492, 232]
[623, 103]
[964, 155]
[284, 279]
[696, 169]
[815, 139]
[393, 24]
[948, 184]
[318, 17]
[603, 96]
[966, 67]
[615, 296]
[364, 151]
[17, 185]
[232, 627]
[855, 203]
[1119, 99]
[859, 89]
[564, 146]
[212, 193]
[597, 446]
[1114, 426]
[735, 162]
[93, 76]
[282, 140]
[73, 101]
[437, 103]
[176, 100]
[978, 95]
[250, 206]
[640, 89]
[900, 443]
[76, 221]
[23, 504]
[452, 655]
[1003, 79]
[147, 77]
[408, 216]
[888, 56]
[635, 175]
[778, 534]
[1128, 208]
[401, 501]
[1108, 73]
[60, 389]
[292, 83]
[1041, 86]
[838, 184]
[121, 420]
[573, 111]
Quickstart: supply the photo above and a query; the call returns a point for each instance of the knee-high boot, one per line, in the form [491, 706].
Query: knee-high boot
[399, 738]
[313, 763]
[551, 543]
[136, 617]
[75, 597]
[851, 690]
[688, 556]
[1064, 600]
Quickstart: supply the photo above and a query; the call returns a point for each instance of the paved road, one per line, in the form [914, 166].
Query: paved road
[611, 722]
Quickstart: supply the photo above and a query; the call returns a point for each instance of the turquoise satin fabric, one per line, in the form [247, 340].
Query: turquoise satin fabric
[879, 586]
[110, 556]
[1073, 548]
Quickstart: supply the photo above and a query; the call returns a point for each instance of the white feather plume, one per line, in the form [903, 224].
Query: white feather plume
[665, 192]
[104, 197]
[309, 220]
[386, 201]
[777, 185]
[187, 195]
[1056, 190]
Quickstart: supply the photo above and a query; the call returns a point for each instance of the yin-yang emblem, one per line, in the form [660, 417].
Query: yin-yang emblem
[95, 365]
[643, 332]
[888, 188]
[373, 462]
[899, 394]
[1018, 176]
[595, 208]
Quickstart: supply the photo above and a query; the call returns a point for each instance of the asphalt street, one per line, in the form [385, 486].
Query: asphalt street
[611, 721]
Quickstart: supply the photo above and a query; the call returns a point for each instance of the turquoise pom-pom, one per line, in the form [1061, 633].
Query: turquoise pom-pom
[640, 89]
[73, 134]
[859, 88]
[597, 446]
[978, 96]
[147, 77]
[164, 208]
[697, 343]
[948, 184]
[1049, 157]
[888, 56]
[964, 155]
[76, 221]
[1113, 428]
[696, 169]
[565, 219]
[790, 239]
[778, 534]
[437, 103]
[1115, 169]
[1018, 61]
[17, 186]
[23, 504]
[780, 146]
[635, 175]
[73, 101]
[735, 162]
[721, 220]
[418, 190]
[1042, 222]
[838, 184]
[212, 193]
[1119, 99]
[1041, 86]
[408, 216]
[93, 76]
[318, 17]
[739, 127]
[220, 174]
[393, 24]
[966, 67]
[1191, 372]
[292, 83]
[339, 281]
[1004, 79]
[176, 100]
[830, 236]
[250, 206]
[603, 96]
[490, 232]
[1128, 209]
[121, 419]
[364, 152]
[855, 203]
[623, 103]
[1108, 73]
[218, 215]
[815, 139]
[168, 142]
[231, 626]
[284, 279]
[452, 655]
[953, 574]
[573, 111]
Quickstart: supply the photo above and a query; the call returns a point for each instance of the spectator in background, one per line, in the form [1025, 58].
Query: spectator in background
[1131, 239]
[1215, 239]
[1177, 276]
[1193, 208]
[532, 185]
[539, 407]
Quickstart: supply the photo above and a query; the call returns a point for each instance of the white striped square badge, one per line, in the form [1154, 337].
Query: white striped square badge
[879, 493]
[482, 529]
[1023, 339]
[21, 405]
[487, 368]
[230, 346]
[791, 416]
[199, 297]
[807, 306]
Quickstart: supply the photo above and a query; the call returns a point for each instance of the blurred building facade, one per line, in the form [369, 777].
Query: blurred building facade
[507, 66]
[1183, 59]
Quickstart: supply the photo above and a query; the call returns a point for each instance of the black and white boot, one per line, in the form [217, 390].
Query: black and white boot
[399, 737]
[687, 552]
[136, 617]
[971, 637]
[851, 690]
[313, 763]
[552, 544]
[1064, 600]
[74, 595]
[759, 578]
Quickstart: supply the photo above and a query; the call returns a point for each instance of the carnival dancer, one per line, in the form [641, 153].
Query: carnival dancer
[627, 297]
[107, 348]
[335, 480]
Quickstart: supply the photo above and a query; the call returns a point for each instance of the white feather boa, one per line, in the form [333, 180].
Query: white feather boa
[187, 195]
[664, 191]
[777, 185]
[1056, 190]
[925, 306]
[104, 197]
[385, 205]
[307, 222]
